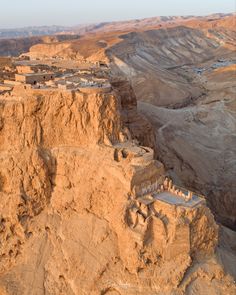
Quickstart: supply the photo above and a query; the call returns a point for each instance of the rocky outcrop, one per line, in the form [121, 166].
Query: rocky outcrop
[138, 126]
[29, 131]
[16, 46]
[33, 116]
[183, 79]
[47, 50]
[70, 220]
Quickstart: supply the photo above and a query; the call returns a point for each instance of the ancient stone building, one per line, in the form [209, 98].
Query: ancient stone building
[34, 78]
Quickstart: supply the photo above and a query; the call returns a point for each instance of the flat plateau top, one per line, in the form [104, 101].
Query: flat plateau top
[172, 199]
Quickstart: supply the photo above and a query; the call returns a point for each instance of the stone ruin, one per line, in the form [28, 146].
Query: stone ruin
[160, 186]
[42, 76]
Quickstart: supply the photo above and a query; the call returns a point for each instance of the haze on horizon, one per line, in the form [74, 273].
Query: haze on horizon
[23, 13]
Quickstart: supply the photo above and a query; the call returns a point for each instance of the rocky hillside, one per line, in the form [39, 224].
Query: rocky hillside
[215, 20]
[70, 227]
[151, 57]
[170, 66]
[16, 41]
[184, 79]
[72, 164]
[17, 46]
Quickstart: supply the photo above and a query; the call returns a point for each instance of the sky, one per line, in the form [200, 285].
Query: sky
[21, 13]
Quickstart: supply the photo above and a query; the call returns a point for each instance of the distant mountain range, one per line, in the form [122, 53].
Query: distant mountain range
[13, 42]
[97, 27]
[31, 32]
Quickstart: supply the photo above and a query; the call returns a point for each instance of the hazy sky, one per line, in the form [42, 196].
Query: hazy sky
[20, 13]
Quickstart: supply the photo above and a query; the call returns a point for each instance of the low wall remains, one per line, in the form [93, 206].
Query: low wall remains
[90, 90]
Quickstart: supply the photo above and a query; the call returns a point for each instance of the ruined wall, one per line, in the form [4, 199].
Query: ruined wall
[34, 78]
[94, 90]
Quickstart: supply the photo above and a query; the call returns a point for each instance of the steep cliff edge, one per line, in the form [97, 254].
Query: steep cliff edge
[197, 142]
[139, 127]
[71, 222]
[184, 79]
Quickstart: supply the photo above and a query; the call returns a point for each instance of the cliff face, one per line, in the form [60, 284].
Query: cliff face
[197, 142]
[70, 223]
[184, 80]
[35, 116]
[138, 125]
[47, 50]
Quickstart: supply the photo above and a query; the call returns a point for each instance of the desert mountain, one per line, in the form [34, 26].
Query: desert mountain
[105, 26]
[118, 175]
[34, 35]
[70, 227]
[176, 67]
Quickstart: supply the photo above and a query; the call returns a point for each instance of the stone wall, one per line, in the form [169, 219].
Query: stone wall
[92, 90]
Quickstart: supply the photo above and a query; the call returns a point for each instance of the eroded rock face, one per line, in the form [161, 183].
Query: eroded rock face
[70, 222]
[151, 60]
[31, 118]
[138, 126]
[184, 80]
[32, 124]
[197, 145]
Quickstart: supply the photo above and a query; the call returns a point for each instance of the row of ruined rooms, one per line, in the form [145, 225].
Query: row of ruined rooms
[40, 77]
[167, 185]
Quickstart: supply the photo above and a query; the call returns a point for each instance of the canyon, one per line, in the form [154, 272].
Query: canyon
[87, 207]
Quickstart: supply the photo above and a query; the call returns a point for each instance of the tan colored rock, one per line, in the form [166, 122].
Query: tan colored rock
[65, 200]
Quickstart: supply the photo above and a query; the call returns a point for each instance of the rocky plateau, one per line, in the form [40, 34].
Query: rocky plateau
[72, 164]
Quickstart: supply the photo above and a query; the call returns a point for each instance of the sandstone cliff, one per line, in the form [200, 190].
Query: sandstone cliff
[70, 222]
